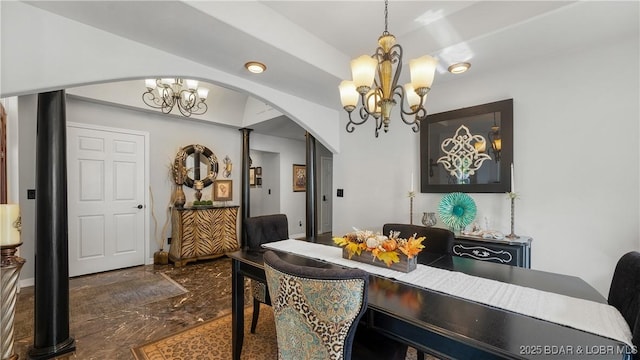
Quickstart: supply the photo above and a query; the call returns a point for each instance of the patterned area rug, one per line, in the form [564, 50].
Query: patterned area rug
[92, 301]
[211, 340]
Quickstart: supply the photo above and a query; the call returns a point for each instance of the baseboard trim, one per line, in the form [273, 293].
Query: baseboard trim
[26, 282]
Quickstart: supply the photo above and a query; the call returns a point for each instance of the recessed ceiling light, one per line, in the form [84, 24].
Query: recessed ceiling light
[459, 68]
[255, 67]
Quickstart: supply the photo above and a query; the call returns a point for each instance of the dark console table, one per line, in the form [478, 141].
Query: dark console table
[515, 252]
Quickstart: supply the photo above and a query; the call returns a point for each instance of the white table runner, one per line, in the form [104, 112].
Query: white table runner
[601, 319]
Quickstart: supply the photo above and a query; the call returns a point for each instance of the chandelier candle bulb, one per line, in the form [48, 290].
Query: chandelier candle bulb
[9, 224]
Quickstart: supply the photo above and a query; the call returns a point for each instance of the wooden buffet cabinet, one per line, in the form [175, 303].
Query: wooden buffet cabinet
[202, 233]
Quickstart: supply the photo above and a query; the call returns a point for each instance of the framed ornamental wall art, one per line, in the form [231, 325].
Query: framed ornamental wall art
[299, 177]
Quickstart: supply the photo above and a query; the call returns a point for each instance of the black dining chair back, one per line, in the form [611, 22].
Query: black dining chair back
[437, 240]
[624, 293]
[260, 230]
[265, 229]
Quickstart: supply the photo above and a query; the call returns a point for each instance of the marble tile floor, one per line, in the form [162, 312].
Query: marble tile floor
[105, 327]
[108, 329]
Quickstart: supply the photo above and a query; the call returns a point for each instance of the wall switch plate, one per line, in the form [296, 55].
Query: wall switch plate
[31, 193]
[340, 193]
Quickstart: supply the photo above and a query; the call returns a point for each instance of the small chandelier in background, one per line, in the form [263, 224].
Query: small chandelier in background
[165, 94]
[377, 101]
[495, 140]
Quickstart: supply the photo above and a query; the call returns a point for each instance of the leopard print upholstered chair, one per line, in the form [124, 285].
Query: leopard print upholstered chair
[316, 310]
[260, 230]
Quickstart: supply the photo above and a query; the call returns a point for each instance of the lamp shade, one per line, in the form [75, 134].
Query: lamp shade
[423, 70]
[348, 93]
[373, 102]
[203, 93]
[9, 224]
[167, 81]
[363, 70]
[497, 144]
[150, 83]
[192, 84]
[413, 99]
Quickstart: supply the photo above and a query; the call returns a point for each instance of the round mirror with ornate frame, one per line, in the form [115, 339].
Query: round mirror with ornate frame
[200, 164]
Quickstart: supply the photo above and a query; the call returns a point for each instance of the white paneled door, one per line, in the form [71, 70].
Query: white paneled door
[106, 198]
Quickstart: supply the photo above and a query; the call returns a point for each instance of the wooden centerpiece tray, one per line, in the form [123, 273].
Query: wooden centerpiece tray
[405, 264]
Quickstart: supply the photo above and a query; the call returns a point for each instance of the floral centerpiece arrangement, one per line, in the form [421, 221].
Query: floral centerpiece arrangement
[384, 248]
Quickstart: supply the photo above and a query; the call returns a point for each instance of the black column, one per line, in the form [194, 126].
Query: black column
[312, 217]
[244, 206]
[51, 314]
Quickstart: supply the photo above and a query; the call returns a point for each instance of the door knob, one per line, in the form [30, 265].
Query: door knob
[139, 206]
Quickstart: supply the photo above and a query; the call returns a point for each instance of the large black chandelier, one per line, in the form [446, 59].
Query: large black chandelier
[377, 93]
[167, 93]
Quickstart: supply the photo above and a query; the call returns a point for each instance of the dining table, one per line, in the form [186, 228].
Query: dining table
[449, 326]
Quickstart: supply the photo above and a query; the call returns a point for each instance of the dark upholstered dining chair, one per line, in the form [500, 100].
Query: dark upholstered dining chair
[260, 230]
[624, 293]
[437, 241]
[317, 313]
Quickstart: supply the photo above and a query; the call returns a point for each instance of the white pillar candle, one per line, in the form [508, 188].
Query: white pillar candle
[513, 186]
[411, 188]
[9, 215]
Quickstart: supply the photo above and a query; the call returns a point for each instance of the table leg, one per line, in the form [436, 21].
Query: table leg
[237, 310]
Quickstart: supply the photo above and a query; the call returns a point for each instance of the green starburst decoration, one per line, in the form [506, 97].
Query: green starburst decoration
[457, 210]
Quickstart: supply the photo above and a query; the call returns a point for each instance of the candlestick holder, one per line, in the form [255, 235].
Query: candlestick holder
[512, 197]
[10, 266]
[412, 194]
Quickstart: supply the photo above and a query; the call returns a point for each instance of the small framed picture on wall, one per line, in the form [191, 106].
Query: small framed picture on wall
[299, 177]
[222, 190]
[252, 176]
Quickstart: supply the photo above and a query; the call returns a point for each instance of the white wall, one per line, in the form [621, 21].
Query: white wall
[26, 120]
[271, 188]
[166, 136]
[265, 199]
[576, 158]
[293, 204]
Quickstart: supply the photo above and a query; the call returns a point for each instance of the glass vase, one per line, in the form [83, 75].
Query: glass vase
[429, 219]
